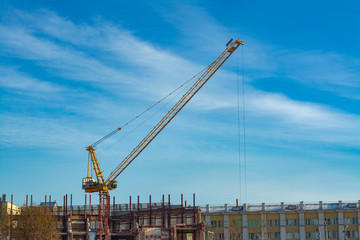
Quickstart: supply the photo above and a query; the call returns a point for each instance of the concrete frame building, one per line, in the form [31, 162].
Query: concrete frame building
[319, 221]
[133, 221]
[164, 220]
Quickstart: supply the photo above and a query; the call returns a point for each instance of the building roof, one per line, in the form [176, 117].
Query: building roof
[51, 204]
[282, 207]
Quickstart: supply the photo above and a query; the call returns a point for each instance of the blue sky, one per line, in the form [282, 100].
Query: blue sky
[71, 72]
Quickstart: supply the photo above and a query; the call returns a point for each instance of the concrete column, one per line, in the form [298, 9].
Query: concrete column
[282, 225]
[359, 221]
[322, 226]
[263, 225]
[226, 227]
[341, 224]
[207, 220]
[302, 226]
[245, 227]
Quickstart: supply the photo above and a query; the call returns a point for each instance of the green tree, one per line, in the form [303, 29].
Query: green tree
[36, 223]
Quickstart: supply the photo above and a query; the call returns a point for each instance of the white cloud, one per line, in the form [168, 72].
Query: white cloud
[123, 69]
[65, 53]
[299, 113]
[329, 71]
[13, 79]
[64, 61]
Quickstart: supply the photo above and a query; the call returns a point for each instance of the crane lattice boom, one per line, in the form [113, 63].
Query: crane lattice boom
[175, 110]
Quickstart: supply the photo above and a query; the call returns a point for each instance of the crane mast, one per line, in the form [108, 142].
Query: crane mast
[103, 186]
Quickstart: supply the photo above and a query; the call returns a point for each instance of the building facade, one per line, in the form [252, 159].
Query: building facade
[8, 207]
[320, 221]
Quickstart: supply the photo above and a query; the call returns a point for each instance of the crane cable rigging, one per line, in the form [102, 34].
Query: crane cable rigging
[143, 122]
[152, 106]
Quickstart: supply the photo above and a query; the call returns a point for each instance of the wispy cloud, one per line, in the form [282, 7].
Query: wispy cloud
[65, 55]
[329, 71]
[97, 75]
[64, 61]
[13, 79]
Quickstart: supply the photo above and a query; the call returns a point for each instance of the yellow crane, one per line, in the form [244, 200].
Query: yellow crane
[102, 186]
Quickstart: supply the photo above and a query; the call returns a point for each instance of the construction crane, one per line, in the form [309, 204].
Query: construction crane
[102, 186]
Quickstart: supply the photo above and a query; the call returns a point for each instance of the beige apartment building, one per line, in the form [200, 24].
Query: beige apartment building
[320, 221]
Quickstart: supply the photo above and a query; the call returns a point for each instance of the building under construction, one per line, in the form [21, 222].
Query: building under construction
[132, 221]
[166, 220]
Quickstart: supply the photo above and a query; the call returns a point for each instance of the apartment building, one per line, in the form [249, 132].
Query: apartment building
[319, 221]
[10, 209]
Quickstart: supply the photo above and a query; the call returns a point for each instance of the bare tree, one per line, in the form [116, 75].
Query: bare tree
[36, 223]
[3, 221]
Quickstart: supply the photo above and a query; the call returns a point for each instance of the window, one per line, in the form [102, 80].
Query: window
[308, 235]
[270, 222]
[354, 220]
[289, 235]
[220, 224]
[221, 236]
[213, 224]
[328, 221]
[257, 223]
[276, 222]
[270, 236]
[296, 222]
[347, 221]
[296, 235]
[251, 236]
[315, 221]
[329, 235]
[288, 222]
[235, 223]
[334, 221]
[189, 236]
[354, 234]
[276, 235]
[308, 222]
[250, 223]
[335, 234]
[316, 235]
